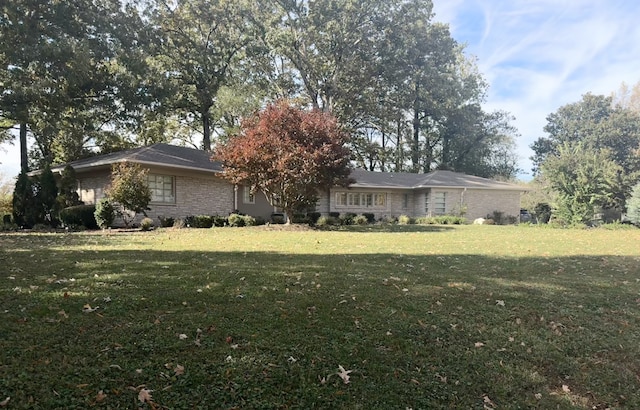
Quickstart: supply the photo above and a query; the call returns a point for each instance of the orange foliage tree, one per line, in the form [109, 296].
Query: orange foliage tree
[287, 153]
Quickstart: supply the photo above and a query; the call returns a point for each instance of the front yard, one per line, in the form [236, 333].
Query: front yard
[419, 317]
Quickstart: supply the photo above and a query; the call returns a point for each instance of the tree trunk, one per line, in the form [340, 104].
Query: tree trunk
[24, 159]
[206, 131]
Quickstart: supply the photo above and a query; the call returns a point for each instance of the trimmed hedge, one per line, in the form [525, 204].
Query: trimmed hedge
[79, 215]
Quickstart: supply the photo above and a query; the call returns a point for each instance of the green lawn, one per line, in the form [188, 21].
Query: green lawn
[245, 318]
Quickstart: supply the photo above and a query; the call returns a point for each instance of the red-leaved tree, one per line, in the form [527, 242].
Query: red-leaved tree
[289, 154]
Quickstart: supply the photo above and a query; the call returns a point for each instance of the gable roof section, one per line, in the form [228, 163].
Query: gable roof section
[434, 179]
[160, 154]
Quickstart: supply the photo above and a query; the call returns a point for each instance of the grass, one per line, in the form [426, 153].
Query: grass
[252, 318]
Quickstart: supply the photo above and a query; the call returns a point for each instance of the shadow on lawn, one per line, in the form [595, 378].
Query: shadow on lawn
[399, 319]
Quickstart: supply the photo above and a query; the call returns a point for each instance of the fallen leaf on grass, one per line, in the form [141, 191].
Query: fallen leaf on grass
[182, 336]
[179, 370]
[5, 402]
[344, 374]
[500, 302]
[566, 388]
[488, 404]
[478, 344]
[88, 309]
[144, 395]
[100, 396]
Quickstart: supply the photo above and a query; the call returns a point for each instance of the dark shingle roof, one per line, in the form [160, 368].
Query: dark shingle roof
[434, 179]
[159, 154]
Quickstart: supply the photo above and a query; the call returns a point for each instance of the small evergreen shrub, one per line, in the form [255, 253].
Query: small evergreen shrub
[249, 220]
[104, 214]
[347, 218]
[405, 220]
[202, 221]
[313, 217]
[166, 221]
[146, 224]
[334, 214]
[371, 218]
[80, 215]
[220, 221]
[327, 221]
[260, 220]
[543, 212]
[299, 219]
[360, 220]
[189, 221]
[236, 220]
[6, 219]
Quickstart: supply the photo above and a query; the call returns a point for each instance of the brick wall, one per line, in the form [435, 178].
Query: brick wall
[482, 202]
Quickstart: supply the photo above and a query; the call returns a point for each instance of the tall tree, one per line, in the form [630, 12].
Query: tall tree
[597, 123]
[584, 178]
[288, 154]
[201, 41]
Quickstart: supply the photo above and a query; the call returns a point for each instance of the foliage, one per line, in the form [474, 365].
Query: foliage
[146, 224]
[542, 211]
[68, 194]
[105, 213]
[80, 216]
[360, 220]
[25, 205]
[6, 196]
[441, 220]
[584, 178]
[166, 221]
[611, 132]
[405, 220]
[47, 194]
[130, 190]
[633, 205]
[327, 221]
[236, 220]
[287, 153]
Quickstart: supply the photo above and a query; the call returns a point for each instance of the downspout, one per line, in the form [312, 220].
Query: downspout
[235, 197]
[462, 201]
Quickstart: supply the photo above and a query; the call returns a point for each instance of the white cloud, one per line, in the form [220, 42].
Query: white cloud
[539, 55]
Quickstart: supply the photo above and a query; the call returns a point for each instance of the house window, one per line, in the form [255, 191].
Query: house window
[162, 188]
[248, 196]
[361, 199]
[436, 203]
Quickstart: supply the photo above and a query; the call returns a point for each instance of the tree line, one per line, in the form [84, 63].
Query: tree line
[96, 76]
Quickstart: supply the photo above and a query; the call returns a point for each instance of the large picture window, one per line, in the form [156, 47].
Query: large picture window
[162, 188]
[361, 200]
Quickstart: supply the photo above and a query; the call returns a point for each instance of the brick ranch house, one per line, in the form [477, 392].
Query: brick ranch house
[185, 182]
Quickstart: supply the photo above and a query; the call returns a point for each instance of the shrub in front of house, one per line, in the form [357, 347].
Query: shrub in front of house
[371, 218]
[360, 220]
[236, 220]
[347, 218]
[327, 221]
[249, 220]
[334, 214]
[166, 221]
[299, 219]
[220, 221]
[104, 214]
[146, 224]
[313, 217]
[80, 216]
[405, 220]
[202, 221]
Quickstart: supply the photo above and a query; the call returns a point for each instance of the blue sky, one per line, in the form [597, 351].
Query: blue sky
[538, 55]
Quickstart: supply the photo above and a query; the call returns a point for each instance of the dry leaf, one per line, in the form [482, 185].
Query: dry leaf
[344, 374]
[5, 402]
[179, 370]
[479, 344]
[88, 309]
[566, 388]
[538, 396]
[500, 302]
[182, 336]
[144, 395]
[100, 396]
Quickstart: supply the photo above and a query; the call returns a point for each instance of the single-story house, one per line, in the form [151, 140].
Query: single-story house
[184, 181]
